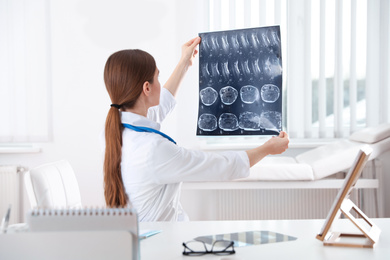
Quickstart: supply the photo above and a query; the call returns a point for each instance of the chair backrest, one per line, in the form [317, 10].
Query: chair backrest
[53, 185]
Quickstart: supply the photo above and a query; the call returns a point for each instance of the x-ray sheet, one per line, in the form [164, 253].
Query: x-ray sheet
[240, 82]
[248, 238]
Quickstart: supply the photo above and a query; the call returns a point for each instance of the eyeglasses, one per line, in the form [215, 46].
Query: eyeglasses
[219, 247]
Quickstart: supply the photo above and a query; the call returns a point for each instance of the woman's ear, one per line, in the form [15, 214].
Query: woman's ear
[146, 88]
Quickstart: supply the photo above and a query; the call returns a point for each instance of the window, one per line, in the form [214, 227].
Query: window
[335, 58]
[25, 98]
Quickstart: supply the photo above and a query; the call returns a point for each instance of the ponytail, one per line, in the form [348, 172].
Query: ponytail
[114, 190]
[124, 75]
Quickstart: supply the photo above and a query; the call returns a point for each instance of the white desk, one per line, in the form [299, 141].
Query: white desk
[168, 244]
[66, 245]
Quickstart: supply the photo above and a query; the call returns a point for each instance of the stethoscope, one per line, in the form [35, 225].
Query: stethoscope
[147, 129]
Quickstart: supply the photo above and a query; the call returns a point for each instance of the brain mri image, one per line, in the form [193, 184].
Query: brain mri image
[240, 82]
[207, 122]
[271, 120]
[228, 122]
[249, 121]
[249, 94]
[228, 95]
[208, 96]
[270, 93]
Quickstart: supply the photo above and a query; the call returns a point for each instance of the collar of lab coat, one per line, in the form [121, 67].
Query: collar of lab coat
[138, 120]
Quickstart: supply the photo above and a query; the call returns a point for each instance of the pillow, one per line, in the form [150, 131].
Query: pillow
[371, 135]
[331, 158]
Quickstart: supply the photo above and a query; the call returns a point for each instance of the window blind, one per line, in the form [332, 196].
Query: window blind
[335, 59]
[25, 75]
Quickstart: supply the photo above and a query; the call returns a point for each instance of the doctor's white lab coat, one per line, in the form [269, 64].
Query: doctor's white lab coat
[153, 167]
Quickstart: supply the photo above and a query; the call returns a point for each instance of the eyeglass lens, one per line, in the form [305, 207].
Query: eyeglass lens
[219, 247]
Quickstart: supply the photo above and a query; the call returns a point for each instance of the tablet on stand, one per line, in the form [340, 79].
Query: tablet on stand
[343, 205]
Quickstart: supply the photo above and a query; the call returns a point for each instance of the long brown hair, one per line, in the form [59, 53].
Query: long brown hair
[124, 75]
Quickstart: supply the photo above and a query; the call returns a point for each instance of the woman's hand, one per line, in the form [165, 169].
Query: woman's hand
[189, 51]
[275, 145]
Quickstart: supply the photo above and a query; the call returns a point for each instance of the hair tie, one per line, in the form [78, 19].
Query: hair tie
[116, 105]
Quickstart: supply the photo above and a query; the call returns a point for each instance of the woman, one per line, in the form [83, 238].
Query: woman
[142, 165]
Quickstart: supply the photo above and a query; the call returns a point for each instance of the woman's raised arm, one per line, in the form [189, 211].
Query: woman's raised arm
[188, 53]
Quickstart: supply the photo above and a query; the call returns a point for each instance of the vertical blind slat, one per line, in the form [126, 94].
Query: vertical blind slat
[247, 13]
[296, 71]
[373, 67]
[386, 16]
[277, 12]
[206, 11]
[232, 14]
[6, 92]
[352, 69]
[217, 13]
[19, 66]
[322, 79]
[338, 75]
[307, 72]
[262, 12]
[49, 71]
[385, 66]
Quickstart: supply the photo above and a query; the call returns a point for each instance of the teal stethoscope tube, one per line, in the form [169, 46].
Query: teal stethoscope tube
[147, 129]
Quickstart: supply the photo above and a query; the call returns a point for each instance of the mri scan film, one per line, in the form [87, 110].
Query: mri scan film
[240, 82]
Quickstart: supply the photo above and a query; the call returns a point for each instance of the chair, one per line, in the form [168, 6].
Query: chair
[53, 185]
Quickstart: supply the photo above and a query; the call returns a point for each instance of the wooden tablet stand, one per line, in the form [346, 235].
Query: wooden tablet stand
[367, 238]
[343, 205]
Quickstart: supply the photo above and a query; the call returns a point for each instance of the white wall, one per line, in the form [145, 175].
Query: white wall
[84, 33]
